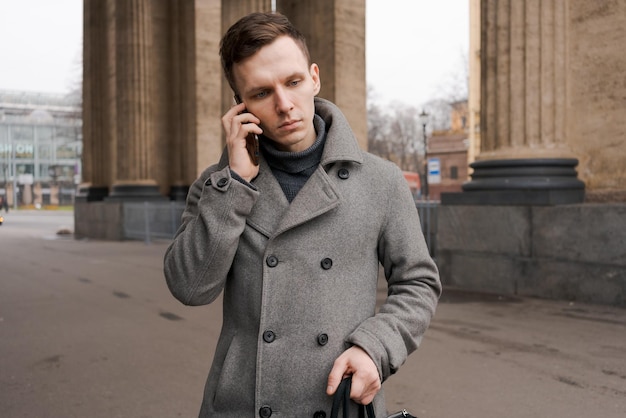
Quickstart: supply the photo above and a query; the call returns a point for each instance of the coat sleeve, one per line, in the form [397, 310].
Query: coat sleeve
[413, 283]
[197, 261]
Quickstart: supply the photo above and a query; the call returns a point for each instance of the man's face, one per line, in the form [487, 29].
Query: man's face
[278, 86]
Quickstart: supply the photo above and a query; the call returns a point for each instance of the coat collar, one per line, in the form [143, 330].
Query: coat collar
[341, 144]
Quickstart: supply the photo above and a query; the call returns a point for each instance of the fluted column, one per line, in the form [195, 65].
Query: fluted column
[523, 93]
[474, 81]
[97, 156]
[134, 84]
[206, 126]
[177, 114]
[335, 33]
[525, 155]
[232, 11]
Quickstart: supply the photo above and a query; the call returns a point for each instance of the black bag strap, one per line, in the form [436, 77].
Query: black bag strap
[341, 399]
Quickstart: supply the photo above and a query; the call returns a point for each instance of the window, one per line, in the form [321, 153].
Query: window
[44, 151]
[68, 150]
[454, 172]
[22, 133]
[44, 133]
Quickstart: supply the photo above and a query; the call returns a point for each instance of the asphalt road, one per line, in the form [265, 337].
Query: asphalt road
[89, 329]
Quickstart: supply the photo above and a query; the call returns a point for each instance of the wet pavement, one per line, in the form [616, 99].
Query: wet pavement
[89, 329]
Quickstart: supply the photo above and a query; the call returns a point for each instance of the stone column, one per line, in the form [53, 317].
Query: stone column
[207, 95]
[335, 33]
[523, 93]
[474, 82]
[525, 156]
[97, 128]
[232, 11]
[135, 163]
[176, 115]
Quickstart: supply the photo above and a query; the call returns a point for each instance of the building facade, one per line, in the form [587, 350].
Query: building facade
[40, 148]
[449, 149]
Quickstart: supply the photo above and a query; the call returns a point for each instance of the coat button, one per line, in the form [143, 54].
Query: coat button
[326, 263]
[343, 173]
[265, 412]
[222, 182]
[319, 414]
[272, 261]
[322, 339]
[269, 336]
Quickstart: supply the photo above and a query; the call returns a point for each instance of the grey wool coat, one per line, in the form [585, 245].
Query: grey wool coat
[300, 279]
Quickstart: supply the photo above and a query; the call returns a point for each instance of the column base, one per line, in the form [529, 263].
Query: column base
[179, 193]
[135, 193]
[92, 193]
[531, 181]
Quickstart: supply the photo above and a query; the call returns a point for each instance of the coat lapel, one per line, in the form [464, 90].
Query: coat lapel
[272, 214]
[272, 203]
[316, 197]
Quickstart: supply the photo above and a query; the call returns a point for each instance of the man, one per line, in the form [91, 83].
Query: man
[295, 243]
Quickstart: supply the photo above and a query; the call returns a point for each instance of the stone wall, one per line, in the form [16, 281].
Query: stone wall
[98, 220]
[569, 252]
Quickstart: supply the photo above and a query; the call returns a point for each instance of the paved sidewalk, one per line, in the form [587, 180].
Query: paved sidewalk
[88, 329]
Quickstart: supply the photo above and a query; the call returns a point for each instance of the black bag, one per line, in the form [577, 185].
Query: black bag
[341, 400]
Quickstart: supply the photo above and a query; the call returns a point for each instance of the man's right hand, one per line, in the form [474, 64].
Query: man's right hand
[237, 124]
[365, 380]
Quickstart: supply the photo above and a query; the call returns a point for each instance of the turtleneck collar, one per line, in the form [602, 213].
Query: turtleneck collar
[295, 162]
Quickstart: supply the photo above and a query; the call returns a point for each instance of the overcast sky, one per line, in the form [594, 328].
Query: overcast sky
[413, 46]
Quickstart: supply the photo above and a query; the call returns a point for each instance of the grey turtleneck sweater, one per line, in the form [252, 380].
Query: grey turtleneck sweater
[293, 169]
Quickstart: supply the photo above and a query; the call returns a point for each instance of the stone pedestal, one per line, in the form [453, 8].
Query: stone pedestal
[566, 252]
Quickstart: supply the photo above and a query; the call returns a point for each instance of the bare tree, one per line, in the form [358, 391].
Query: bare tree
[377, 127]
[406, 135]
[453, 89]
[394, 133]
[455, 86]
[439, 111]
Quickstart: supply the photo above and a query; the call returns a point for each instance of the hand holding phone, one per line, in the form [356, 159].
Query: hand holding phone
[252, 141]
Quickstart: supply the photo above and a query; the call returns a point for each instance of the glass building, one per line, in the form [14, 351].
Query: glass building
[40, 148]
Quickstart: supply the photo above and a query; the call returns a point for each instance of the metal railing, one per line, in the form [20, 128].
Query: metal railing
[150, 220]
[427, 210]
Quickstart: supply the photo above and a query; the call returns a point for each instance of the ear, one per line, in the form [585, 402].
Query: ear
[315, 75]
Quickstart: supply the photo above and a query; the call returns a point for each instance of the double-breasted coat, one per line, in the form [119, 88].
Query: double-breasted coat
[300, 279]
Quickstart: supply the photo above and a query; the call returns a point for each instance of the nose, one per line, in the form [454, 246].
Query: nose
[283, 102]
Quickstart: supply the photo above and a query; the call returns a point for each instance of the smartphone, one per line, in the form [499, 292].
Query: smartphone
[252, 141]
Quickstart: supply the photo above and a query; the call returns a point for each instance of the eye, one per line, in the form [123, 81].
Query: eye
[261, 94]
[294, 83]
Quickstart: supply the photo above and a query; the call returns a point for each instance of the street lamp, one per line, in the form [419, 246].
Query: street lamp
[424, 120]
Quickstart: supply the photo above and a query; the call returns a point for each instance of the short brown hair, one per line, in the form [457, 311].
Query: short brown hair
[251, 33]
